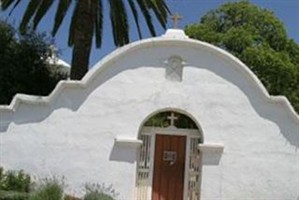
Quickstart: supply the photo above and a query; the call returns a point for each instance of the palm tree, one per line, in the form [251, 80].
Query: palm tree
[87, 22]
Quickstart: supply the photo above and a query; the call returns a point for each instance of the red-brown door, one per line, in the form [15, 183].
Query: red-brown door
[169, 167]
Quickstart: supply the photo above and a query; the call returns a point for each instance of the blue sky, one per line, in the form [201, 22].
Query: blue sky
[191, 10]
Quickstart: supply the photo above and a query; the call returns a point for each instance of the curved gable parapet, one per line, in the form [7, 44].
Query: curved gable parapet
[40, 100]
[167, 40]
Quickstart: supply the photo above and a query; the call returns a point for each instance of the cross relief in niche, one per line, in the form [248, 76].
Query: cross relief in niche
[172, 118]
[174, 68]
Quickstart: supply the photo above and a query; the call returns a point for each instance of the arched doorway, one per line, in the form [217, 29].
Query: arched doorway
[169, 164]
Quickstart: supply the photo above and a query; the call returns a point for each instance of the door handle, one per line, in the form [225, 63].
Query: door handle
[171, 163]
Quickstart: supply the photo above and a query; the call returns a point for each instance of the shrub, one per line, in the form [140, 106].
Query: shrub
[12, 195]
[97, 196]
[14, 181]
[99, 192]
[1, 173]
[69, 197]
[48, 189]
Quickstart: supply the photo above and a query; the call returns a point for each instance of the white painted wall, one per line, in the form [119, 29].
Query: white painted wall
[71, 133]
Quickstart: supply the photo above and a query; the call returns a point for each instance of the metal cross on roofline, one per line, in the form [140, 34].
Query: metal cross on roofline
[176, 18]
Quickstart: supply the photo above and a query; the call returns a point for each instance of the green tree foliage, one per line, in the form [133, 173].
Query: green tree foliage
[48, 189]
[14, 185]
[259, 39]
[99, 192]
[23, 66]
[14, 181]
[87, 21]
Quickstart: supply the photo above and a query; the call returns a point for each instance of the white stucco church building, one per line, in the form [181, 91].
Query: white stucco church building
[163, 118]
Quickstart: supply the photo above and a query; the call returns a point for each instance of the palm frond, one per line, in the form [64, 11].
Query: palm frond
[62, 9]
[118, 17]
[6, 3]
[29, 13]
[143, 5]
[98, 20]
[160, 4]
[42, 10]
[161, 10]
[73, 24]
[135, 15]
[14, 6]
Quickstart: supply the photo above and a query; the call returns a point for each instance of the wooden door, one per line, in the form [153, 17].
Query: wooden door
[169, 167]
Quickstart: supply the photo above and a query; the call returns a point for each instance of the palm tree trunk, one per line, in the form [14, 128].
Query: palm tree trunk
[82, 39]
